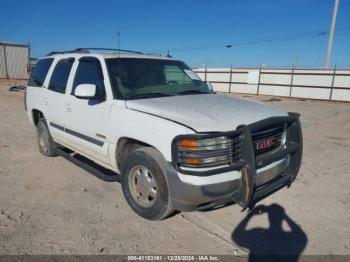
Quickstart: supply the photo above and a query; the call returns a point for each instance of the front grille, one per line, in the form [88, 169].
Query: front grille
[235, 151]
[267, 139]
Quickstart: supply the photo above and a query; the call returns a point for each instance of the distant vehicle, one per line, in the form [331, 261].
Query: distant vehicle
[176, 143]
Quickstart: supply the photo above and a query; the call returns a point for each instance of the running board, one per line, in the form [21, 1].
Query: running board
[89, 166]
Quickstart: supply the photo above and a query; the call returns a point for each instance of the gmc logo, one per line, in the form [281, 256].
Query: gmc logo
[264, 144]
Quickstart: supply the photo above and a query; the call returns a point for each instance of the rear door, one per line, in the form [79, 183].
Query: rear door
[87, 119]
[55, 98]
[35, 94]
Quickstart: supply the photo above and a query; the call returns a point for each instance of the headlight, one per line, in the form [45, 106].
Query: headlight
[206, 152]
[192, 144]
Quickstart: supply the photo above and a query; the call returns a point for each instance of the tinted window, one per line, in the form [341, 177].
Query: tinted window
[39, 73]
[59, 78]
[136, 78]
[89, 72]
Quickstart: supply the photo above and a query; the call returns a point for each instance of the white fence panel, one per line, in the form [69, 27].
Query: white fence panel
[244, 88]
[220, 87]
[342, 81]
[276, 79]
[274, 90]
[313, 80]
[302, 83]
[341, 94]
[305, 92]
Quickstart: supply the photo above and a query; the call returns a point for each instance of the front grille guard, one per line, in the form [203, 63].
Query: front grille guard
[249, 163]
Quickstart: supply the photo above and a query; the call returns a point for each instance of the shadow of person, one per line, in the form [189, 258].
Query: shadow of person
[273, 243]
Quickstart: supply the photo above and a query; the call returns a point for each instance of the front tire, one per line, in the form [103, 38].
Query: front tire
[47, 146]
[144, 184]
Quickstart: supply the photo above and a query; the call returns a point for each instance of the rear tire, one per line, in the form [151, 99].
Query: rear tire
[144, 183]
[47, 146]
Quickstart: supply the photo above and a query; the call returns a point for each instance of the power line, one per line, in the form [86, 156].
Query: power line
[257, 41]
[284, 37]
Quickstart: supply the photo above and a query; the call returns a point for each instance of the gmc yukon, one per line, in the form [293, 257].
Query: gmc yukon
[176, 144]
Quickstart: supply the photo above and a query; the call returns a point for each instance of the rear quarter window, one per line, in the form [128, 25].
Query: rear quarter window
[39, 72]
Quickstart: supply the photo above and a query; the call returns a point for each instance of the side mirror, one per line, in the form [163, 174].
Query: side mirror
[210, 86]
[85, 91]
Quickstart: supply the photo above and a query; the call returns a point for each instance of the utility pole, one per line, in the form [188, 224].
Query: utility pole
[331, 34]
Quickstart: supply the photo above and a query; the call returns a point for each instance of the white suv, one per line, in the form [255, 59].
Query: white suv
[176, 144]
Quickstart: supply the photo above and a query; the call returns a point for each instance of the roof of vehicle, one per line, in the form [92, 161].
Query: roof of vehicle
[106, 53]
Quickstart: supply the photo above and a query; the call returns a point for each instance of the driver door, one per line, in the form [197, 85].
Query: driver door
[88, 118]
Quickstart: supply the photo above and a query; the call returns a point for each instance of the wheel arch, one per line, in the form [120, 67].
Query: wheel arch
[127, 144]
[36, 115]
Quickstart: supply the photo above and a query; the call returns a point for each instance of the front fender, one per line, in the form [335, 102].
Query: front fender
[149, 129]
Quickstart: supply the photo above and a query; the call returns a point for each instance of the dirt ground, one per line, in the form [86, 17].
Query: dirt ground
[50, 206]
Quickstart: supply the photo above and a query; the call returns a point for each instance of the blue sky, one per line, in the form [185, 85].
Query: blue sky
[182, 26]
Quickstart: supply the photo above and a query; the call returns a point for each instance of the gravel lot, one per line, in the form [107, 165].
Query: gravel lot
[50, 206]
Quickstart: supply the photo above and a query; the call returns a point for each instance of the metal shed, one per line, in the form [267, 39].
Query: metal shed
[14, 61]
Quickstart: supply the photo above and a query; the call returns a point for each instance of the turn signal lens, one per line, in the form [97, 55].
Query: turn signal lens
[188, 144]
[192, 161]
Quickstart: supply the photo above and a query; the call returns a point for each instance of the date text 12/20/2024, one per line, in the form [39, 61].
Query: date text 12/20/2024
[174, 258]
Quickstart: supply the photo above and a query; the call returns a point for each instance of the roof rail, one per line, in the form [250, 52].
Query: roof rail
[66, 52]
[107, 49]
[87, 50]
[154, 54]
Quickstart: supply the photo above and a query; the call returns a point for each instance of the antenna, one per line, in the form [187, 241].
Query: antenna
[118, 39]
[118, 42]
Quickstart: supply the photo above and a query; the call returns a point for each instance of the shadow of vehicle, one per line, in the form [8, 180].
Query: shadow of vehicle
[273, 243]
[89, 166]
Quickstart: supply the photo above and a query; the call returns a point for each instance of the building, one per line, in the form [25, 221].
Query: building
[32, 62]
[14, 61]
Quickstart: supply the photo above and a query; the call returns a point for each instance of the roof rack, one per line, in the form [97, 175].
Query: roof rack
[66, 52]
[107, 49]
[87, 50]
[154, 54]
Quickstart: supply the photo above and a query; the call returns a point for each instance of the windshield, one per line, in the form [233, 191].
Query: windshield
[135, 78]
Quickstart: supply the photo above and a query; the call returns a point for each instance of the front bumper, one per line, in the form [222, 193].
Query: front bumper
[260, 175]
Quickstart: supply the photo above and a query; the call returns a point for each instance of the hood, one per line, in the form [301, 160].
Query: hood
[207, 112]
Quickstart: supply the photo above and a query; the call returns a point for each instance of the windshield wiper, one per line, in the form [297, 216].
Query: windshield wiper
[193, 91]
[149, 95]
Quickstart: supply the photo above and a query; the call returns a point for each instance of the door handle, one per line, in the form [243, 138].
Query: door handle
[68, 108]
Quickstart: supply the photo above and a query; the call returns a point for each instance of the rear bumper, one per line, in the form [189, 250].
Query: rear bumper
[261, 175]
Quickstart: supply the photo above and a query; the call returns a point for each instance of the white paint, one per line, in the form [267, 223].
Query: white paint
[154, 121]
[206, 113]
[85, 91]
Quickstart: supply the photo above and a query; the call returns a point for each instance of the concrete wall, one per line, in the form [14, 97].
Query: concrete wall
[302, 83]
[14, 61]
